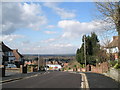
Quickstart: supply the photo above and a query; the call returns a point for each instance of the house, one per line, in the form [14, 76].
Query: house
[6, 53]
[112, 48]
[10, 56]
[18, 58]
[0, 54]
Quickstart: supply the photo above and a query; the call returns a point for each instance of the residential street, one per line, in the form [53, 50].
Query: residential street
[62, 44]
[63, 80]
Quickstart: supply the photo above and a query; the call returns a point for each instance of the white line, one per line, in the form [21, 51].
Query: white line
[12, 81]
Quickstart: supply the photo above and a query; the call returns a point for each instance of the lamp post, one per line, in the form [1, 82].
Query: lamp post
[85, 53]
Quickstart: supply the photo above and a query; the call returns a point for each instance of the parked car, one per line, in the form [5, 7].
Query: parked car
[11, 66]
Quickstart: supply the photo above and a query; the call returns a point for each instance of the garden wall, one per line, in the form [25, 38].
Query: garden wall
[114, 73]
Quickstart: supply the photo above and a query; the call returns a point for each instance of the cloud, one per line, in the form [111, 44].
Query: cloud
[73, 29]
[62, 45]
[50, 26]
[51, 4]
[48, 40]
[50, 32]
[17, 15]
[10, 38]
[61, 48]
[64, 14]
[49, 46]
[25, 42]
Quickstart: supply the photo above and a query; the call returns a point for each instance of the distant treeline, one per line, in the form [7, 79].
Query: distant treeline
[48, 54]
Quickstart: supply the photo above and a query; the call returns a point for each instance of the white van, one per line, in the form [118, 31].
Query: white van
[53, 67]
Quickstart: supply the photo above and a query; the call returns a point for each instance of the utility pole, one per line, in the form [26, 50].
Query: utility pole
[46, 64]
[38, 63]
[85, 52]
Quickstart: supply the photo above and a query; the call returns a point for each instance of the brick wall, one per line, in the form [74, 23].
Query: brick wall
[99, 68]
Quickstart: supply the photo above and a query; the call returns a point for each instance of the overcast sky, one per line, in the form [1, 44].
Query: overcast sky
[48, 28]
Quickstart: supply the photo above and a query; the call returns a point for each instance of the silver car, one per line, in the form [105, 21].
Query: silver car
[11, 66]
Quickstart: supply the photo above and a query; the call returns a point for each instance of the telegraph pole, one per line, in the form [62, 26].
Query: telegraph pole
[85, 52]
[46, 64]
[38, 63]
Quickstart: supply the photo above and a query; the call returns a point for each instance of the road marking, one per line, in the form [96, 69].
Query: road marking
[11, 80]
[84, 83]
[81, 84]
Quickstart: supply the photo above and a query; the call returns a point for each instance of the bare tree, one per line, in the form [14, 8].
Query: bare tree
[105, 39]
[111, 13]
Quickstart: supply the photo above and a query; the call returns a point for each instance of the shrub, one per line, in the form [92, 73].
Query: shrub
[69, 68]
[62, 69]
[117, 66]
[112, 63]
[75, 66]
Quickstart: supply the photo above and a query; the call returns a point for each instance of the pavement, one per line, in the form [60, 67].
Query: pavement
[97, 80]
[11, 76]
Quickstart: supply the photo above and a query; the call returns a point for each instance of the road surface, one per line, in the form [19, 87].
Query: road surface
[64, 80]
[96, 80]
[50, 80]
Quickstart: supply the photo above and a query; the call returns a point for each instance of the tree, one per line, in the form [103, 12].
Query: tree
[111, 11]
[80, 55]
[92, 48]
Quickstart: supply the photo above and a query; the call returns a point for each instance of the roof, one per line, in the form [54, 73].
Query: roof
[4, 47]
[114, 43]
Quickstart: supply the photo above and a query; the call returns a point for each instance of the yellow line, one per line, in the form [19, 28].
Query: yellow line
[84, 83]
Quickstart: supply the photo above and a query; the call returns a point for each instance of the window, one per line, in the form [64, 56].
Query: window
[10, 53]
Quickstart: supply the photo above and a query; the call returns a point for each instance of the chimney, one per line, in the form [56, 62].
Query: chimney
[115, 38]
[16, 50]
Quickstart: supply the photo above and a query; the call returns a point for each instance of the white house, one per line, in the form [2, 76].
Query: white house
[112, 48]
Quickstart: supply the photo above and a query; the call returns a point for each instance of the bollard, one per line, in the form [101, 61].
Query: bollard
[32, 69]
[23, 69]
[2, 71]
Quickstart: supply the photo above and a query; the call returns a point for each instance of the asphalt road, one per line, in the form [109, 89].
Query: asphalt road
[50, 80]
[63, 80]
[96, 80]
